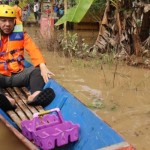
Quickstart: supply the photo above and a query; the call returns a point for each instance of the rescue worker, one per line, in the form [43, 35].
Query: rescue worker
[13, 42]
[18, 10]
[36, 10]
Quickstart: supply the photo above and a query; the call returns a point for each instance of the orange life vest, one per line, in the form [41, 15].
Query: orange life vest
[11, 60]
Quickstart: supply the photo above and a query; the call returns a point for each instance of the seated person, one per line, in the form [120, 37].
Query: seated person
[13, 42]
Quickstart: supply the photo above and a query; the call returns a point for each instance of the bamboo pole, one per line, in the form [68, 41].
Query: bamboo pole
[39, 108]
[65, 12]
[50, 20]
[41, 6]
[24, 99]
[21, 106]
[14, 117]
[26, 91]
[18, 111]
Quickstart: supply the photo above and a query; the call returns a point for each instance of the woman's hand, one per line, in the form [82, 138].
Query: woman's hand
[45, 73]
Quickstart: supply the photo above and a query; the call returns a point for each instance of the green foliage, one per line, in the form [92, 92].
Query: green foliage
[23, 3]
[98, 103]
[76, 13]
[96, 10]
[72, 45]
[98, 5]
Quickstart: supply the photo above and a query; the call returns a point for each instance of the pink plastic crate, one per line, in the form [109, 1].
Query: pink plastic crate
[50, 130]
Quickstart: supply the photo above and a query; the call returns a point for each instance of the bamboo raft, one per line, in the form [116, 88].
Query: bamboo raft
[22, 112]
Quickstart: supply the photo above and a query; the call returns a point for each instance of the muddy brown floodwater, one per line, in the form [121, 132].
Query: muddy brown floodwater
[124, 103]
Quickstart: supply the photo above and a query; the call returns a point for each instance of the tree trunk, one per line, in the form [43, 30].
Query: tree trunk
[145, 27]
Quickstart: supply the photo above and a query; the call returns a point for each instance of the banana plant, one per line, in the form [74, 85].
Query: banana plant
[76, 13]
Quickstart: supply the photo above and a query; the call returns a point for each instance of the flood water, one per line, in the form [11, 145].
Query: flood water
[123, 102]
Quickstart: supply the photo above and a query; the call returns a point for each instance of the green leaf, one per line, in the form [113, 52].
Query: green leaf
[76, 13]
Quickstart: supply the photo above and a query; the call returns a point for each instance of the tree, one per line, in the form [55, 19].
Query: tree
[119, 29]
[121, 26]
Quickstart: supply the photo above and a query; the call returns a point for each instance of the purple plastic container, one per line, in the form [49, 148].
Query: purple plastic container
[60, 134]
[50, 130]
[28, 126]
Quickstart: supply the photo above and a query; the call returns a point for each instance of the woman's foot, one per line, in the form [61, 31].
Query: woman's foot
[42, 98]
[32, 96]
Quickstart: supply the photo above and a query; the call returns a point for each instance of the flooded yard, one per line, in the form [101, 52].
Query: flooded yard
[123, 102]
[125, 107]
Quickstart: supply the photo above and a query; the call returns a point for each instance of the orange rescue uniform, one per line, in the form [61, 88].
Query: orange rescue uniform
[18, 12]
[26, 44]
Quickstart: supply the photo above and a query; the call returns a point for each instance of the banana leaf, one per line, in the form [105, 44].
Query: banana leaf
[76, 13]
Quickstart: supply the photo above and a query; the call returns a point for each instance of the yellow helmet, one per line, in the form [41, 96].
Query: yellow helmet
[7, 11]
